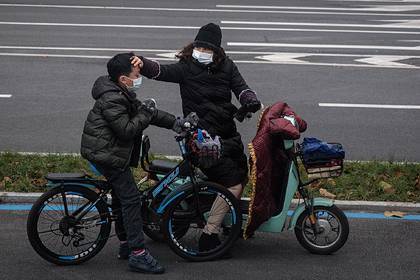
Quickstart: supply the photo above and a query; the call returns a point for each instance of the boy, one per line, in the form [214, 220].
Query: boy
[111, 141]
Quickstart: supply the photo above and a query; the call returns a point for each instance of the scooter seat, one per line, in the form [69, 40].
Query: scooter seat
[162, 166]
[65, 176]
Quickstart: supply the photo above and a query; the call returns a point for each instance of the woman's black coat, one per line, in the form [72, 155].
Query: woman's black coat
[207, 90]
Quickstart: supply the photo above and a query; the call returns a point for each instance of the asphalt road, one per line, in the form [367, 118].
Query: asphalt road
[304, 53]
[376, 249]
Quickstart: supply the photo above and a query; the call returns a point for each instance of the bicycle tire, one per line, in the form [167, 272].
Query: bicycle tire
[235, 227]
[46, 253]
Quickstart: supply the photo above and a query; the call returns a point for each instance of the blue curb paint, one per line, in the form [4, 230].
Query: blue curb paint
[350, 215]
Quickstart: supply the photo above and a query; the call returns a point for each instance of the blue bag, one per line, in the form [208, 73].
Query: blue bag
[315, 150]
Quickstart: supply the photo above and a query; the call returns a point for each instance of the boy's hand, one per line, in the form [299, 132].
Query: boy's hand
[136, 61]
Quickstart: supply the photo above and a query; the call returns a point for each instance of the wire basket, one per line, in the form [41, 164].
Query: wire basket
[324, 168]
[319, 165]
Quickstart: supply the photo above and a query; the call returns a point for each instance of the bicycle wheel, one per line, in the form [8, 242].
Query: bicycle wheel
[183, 222]
[65, 238]
[332, 233]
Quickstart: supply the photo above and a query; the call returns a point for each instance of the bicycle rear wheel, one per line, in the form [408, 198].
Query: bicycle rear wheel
[56, 233]
[183, 222]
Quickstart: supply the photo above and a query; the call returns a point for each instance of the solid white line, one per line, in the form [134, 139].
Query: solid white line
[393, 25]
[378, 106]
[364, 8]
[197, 27]
[97, 25]
[321, 46]
[73, 56]
[174, 51]
[83, 49]
[199, 10]
[320, 30]
[5, 95]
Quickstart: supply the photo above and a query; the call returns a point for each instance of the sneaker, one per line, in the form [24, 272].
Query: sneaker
[144, 263]
[124, 251]
[208, 242]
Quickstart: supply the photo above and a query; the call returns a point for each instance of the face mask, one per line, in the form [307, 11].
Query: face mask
[136, 83]
[202, 57]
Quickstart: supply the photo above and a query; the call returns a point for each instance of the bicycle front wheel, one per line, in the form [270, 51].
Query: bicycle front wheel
[186, 217]
[66, 227]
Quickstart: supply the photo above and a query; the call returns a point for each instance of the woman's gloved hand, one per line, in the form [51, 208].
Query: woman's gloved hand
[249, 101]
[182, 124]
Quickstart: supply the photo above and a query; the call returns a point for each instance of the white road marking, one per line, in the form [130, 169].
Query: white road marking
[386, 60]
[383, 61]
[68, 55]
[321, 46]
[5, 95]
[377, 106]
[387, 8]
[223, 27]
[83, 49]
[385, 1]
[204, 10]
[402, 24]
[320, 30]
[97, 25]
[278, 58]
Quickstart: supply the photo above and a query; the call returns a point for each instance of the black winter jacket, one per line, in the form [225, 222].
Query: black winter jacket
[113, 129]
[206, 90]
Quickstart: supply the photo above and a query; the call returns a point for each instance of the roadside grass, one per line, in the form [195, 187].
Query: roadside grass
[381, 181]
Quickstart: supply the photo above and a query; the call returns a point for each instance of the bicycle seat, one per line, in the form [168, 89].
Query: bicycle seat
[162, 166]
[65, 176]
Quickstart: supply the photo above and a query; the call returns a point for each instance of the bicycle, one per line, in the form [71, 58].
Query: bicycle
[71, 222]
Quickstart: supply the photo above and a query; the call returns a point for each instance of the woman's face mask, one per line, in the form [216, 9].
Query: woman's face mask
[203, 57]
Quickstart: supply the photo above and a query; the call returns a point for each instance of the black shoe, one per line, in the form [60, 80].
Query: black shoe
[124, 251]
[144, 263]
[208, 242]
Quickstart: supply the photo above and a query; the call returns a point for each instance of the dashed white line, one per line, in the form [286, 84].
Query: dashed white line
[374, 106]
[5, 95]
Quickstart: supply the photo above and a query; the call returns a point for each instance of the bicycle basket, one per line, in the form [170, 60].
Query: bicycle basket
[205, 151]
[322, 159]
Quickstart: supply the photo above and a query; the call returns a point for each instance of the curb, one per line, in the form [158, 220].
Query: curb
[369, 206]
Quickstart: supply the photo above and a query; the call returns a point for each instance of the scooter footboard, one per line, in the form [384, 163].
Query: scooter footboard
[318, 201]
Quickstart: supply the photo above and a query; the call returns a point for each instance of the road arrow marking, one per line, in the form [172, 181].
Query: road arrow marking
[283, 57]
[386, 60]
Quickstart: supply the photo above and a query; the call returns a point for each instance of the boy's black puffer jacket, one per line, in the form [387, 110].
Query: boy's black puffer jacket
[113, 129]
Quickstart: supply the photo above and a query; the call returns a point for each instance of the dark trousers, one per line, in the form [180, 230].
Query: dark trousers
[126, 204]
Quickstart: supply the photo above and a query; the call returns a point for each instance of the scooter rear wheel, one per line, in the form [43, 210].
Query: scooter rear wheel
[330, 234]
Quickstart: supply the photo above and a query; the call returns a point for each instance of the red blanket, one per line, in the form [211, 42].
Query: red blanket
[269, 163]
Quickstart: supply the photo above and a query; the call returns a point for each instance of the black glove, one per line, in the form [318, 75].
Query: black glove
[149, 104]
[249, 101]
[182, 124]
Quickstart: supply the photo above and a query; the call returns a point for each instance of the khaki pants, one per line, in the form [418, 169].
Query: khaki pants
[219, 210]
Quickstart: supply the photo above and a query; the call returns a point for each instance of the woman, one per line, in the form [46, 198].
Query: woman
[207, 78]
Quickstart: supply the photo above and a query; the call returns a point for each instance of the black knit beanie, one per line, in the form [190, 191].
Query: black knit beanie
[209, 36]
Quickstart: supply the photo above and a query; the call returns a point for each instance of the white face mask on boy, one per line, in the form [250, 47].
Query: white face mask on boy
[203, 57]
